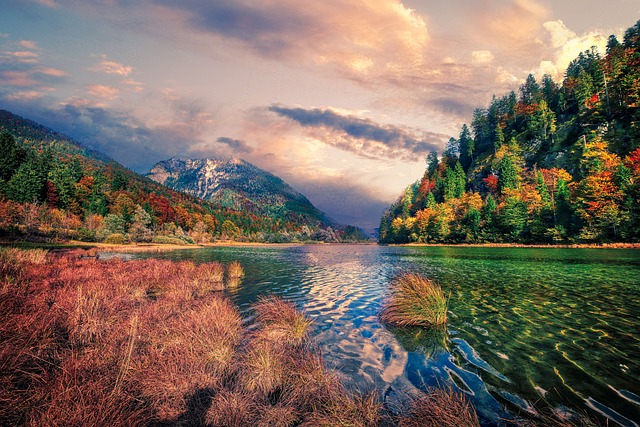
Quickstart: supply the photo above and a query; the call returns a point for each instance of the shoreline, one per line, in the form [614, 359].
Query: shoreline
[522, 245]
[159, 247]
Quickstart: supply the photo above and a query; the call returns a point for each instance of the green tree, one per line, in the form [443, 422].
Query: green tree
[513, 218]
[12, 156]
[27, 184]
[432, 163]
[467, 147]
[139, 230]
[508, 177]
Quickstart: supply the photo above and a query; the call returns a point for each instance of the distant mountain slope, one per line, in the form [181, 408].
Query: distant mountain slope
[237, 184]
[52, 187]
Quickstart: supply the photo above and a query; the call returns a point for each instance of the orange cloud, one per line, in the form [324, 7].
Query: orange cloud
[103, 92]
[17, 78]
[112, 67]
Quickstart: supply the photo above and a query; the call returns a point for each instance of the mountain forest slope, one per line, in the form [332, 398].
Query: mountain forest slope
[554, 163]
[237, 184]
[53, 188]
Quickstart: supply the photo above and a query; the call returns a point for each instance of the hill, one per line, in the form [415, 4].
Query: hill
[554, 163]
[237, 184]
[52, 187]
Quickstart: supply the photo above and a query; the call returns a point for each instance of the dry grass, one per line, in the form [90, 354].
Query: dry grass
[88, 342]
[440, 407]
[235, 270]
[281, 322]
[209, 277]
[231, 408]
[415, 301]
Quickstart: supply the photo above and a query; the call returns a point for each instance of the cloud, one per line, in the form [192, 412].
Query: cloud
[17, 78]
[363, 40]
[481, 56]
[111, 67]
[363, 137]
[100, 91]
[237, 146]
[566, 46]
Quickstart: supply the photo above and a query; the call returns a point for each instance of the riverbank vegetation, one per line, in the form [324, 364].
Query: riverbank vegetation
[555, 163]
[415, 301]
[154, 343]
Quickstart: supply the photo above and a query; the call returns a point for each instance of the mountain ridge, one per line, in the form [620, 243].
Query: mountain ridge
[233, 182]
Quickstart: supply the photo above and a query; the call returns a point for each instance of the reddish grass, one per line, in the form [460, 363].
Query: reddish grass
[440, 407]
[281, 322]
[147, 342]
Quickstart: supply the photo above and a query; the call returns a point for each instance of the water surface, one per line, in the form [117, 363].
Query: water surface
[529, 329]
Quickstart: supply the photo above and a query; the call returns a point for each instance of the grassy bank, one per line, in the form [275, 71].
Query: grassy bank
[85, 342]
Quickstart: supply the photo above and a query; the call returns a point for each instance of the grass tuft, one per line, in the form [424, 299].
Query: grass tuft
[440, 407]
[415, 301]
[209, 277]
[230, 408]
[281, 322]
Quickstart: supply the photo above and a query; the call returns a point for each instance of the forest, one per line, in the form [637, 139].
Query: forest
[554, 163]
[54, 189]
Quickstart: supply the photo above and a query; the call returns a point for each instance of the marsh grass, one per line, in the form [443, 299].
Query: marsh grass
[281, 322]
[415, 301]
[139, 343]
[235, 270]
[209, 277]
[440, 407]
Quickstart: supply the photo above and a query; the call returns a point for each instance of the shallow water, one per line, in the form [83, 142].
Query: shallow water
[528, 329]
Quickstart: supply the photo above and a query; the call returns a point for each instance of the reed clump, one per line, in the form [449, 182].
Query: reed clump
[280, 321]
[209, 277]
[415, 301]
[440, 407]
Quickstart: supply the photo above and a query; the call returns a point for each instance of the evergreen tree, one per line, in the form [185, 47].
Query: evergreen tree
[466, 144]
[508, 174]
[12, 156]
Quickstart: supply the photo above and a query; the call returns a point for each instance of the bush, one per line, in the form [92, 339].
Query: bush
[167, 240]
[116, 239]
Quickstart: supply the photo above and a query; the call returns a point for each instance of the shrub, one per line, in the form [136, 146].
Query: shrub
[167, 240]
[115, 239]
[415, 301]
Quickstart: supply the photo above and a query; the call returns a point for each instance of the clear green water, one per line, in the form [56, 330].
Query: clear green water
[529, 329]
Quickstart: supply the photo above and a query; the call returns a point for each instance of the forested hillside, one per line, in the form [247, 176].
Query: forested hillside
[237, 184]
[553, 163]
[53, 188]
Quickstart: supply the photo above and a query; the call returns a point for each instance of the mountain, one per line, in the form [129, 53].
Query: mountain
[237, 184]
[54, 188]
[559, 162]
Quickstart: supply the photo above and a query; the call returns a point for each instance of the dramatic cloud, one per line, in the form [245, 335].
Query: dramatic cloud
[358, 37]
[566, 46]
[363, 137]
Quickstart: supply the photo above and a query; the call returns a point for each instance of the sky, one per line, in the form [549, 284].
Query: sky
[343, 99]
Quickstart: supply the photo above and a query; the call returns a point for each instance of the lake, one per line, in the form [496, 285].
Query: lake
[529, 329]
